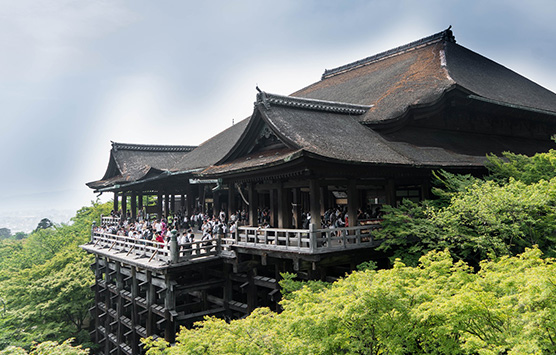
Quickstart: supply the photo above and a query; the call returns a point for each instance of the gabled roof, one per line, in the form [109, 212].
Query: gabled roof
[419, 74]
[328, 131]
[132, 162]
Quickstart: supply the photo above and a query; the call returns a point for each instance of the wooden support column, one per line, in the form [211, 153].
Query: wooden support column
[135, 338]
[253, 204]
[119, 303]
[391, 192]
[216, 203]
[283, 212]
[227, 292]
[314, 196]
[353, 203]
[166, 205]
[182, 203]
[133, 206]
[273, 208]
[296, 208]
[170, 305]
[159, 205]
[231, 199]
[425, 189]
[124, 205]
[190, 199]
[107, 303]
[172, 204]
[98, 277]
[140, 204]
[201, 188]
[251, 291]
[116, 206]
[151, 294]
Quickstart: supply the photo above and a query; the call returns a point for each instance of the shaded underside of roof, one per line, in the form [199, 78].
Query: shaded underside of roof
[254, 161]
[415, 141]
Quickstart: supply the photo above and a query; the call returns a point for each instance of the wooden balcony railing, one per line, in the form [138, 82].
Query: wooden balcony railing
[162, 252]
[308, 241]
[305, 240]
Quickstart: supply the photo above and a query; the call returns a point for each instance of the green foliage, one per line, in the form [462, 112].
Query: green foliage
[45, 284]
[44, 223]
[484, 219]
[438, 307]
[541, 166]
[5, 233]
[47, 348]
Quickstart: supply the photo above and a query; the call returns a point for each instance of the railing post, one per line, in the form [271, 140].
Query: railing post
[219, 244]
[174, 251]
[93, 231]
[312, 237]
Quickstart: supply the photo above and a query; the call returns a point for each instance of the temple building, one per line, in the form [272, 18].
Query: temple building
[368, 133]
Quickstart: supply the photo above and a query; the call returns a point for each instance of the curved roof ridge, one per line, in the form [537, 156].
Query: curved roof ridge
[152, 147]
[311, 104]
[446, 35]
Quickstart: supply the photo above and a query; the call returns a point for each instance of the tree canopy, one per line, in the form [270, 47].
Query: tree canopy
[45, 285]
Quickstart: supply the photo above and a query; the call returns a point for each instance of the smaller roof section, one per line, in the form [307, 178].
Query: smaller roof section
[133, 162]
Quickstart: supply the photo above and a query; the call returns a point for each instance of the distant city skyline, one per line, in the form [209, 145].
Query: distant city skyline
[77, 75]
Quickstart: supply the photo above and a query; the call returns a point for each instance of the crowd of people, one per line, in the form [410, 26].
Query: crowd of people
[188, 229]
[205, 226]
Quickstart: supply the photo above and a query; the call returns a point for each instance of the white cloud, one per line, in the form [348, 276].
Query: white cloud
[42, 39]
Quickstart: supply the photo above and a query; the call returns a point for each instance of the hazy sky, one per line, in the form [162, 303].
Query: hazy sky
[77, 74]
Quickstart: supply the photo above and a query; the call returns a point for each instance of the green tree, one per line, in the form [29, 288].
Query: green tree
[44, 223]
[438, 307]
[5, 233]
[45, 283]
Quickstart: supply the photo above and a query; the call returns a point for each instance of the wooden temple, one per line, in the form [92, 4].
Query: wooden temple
[368, 133]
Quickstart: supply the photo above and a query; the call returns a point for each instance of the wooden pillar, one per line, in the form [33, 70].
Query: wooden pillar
[227, 292]
[201, 189]
[231, 200]
[119, 303]
[159, 205]
[273, 208]
[182, 203]
[107, 304]
[283, 212]
[150, 301]
[124, 205]
[133, 206]
[116, 206]
[190, 199]
[172, 204]
[253, 204]
[314, 196]
[98, 276]
[251, 291]
[170, 305]
[166, 205]
[425, 189]
[296, 207]
[391, 192]
[135, 338]
[353, 203]
[216, 203]
[140, 204]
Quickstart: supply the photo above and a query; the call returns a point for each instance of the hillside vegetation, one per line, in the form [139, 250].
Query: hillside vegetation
[472, 273]
[45, 284]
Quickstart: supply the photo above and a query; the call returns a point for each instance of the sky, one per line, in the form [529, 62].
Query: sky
[78, 74]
